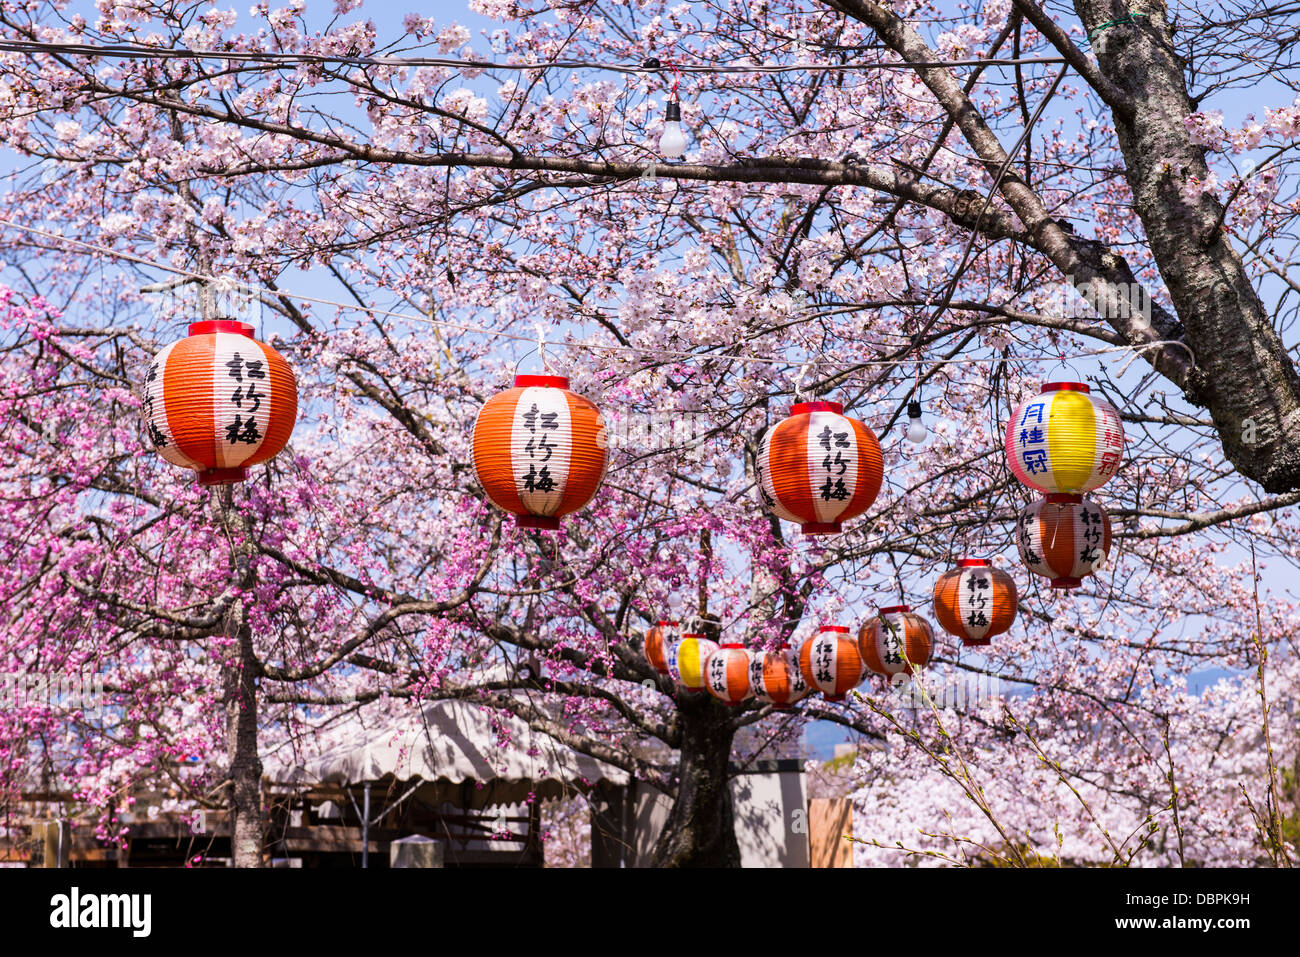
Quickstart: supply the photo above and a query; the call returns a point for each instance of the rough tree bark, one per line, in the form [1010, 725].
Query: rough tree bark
[701, 830]
[1245, 378]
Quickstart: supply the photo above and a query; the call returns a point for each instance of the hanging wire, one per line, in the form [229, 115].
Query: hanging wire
[677, 354]
[133, 50]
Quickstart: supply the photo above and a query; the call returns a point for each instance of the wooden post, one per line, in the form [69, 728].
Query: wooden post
[829, 820]
[57, 840]
[609, 838]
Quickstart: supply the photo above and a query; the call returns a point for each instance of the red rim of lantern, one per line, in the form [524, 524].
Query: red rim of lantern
[546, 381]
[973, 563]
[820, 528]
[547, 523]
[801, 408]
[1067, 386]
[208, 326]
[895, 608]
[222, 476]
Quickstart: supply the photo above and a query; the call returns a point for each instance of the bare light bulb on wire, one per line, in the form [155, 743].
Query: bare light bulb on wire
[915, 427]
[672, 143]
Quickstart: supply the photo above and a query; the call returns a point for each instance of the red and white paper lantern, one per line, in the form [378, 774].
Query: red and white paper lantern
[219, 401]
[975, 601]
[896, 641]
[831, 662]
[776, 678]
[819, 468]
[539, 450]
[1065, 538]
[727, 674]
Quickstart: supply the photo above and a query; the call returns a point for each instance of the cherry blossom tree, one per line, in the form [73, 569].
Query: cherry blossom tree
[877, 203]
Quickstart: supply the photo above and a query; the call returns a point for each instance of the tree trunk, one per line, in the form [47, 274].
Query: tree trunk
[239, 686]
[1244, 376]
[701, 829]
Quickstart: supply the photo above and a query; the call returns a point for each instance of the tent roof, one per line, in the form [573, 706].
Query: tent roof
[452, 745]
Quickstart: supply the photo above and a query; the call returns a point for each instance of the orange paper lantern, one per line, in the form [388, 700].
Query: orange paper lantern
[727, 674]
[659, 641]
[975, 601]
[776, 678]
[831, 662]
[539, 450]
[896, 641]
[219, 401]
[819, 468]
[1063, 537]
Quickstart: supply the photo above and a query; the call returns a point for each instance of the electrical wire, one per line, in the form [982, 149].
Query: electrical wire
[131, 50]
[482, 330]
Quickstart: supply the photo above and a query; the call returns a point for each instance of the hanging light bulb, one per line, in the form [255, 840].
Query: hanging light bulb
[673, 142]
[915, 427]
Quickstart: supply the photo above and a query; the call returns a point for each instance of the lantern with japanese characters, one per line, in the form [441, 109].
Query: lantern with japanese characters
[539, 450]
[975, 601]
[819, 468]
[219, 401]
[1064, 538]
[776, 678]
[896, 641]
[1064, 440]
[831, 662]
[659, 642]
[726, 674]
[686, 662]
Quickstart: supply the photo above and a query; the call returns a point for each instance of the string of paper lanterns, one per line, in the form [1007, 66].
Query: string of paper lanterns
[1062, 442]
[219, 401]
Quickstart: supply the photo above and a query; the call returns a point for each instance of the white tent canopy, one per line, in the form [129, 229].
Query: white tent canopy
[452, 745]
